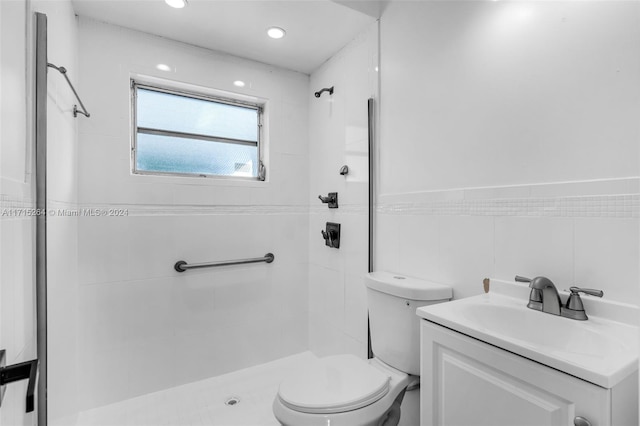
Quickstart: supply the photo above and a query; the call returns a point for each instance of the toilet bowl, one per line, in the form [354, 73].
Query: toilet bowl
[342, 390]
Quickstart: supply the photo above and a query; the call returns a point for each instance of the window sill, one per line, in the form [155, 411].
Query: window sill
[198, 180]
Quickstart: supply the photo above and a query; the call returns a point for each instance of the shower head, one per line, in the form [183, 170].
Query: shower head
[326, 89]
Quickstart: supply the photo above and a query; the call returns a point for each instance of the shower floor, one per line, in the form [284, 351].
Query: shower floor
[203, 402]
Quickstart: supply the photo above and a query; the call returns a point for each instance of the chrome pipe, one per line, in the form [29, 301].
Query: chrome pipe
[63, 71]
[182, 266]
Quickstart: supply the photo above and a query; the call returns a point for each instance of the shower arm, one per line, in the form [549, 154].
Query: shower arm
[326, 89]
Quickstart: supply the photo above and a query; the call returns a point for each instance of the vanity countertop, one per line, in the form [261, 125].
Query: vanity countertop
[602, 350]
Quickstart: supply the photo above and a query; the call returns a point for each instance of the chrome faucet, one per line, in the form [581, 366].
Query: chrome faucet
[544, 295]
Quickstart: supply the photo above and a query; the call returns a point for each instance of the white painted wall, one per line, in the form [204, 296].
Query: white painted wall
[143, 326]
[509, 143]
[338, 136]
[17, 231]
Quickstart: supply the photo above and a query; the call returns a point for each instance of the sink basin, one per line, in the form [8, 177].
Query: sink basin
[599, 350]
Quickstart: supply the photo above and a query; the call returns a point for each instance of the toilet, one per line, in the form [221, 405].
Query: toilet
[344, 390]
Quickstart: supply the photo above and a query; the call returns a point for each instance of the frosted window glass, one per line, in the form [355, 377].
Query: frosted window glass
[165, 111]
[168, 154]
[179, 134]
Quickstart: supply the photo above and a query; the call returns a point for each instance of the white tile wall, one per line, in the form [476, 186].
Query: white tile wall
[606, 251]
[151, 326]
[574, 240]
[17, 233]
[355, 318]
[499, 154]
[525, 246]
[466, 246]
[338, 136]
[475, 94]
[418, 246]
[14, 89]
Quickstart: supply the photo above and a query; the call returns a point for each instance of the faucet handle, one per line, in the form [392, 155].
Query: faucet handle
[520, 279]
[574, 308]
[589, 291]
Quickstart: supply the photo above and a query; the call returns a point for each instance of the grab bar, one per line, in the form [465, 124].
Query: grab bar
[63, 71]
[182, 266]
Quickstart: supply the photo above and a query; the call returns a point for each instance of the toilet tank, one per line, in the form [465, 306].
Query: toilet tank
[392, 300]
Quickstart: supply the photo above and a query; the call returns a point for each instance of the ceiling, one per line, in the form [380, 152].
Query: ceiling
[316, 29]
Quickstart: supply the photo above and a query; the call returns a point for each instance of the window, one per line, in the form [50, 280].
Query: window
[189, 134]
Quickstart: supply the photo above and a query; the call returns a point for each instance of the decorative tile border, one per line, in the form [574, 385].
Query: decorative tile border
[343, 208]
[14, 202]
[207, 210]
[21, 207]
[62, 209]
[611, 206]
[505, 201]
[14, 207]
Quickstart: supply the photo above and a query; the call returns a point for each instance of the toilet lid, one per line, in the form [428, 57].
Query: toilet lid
[334, 384]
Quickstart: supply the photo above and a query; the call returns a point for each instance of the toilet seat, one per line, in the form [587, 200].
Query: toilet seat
[334, 384]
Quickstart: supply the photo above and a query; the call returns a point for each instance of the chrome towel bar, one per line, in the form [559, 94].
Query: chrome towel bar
[182, 266]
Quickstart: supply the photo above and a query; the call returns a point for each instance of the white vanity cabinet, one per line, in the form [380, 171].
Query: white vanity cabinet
[467, 382]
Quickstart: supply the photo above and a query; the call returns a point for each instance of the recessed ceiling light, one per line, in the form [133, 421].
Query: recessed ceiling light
[163, 67]
[239, 83]
[276, 32]
[178, 4]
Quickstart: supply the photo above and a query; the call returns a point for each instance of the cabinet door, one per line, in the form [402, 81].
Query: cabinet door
[468, 382]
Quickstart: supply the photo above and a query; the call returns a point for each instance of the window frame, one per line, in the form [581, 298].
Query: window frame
[259, 144]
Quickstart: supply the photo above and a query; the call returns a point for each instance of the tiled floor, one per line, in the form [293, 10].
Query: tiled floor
[203, 403]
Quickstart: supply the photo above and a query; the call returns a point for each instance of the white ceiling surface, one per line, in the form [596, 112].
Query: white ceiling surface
[316, 29]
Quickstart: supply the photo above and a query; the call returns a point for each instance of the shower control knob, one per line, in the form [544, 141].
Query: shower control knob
[331, 199]
[328, 238]
[331, 235]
